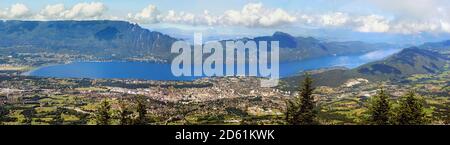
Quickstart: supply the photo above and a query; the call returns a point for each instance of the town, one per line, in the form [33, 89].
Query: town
[212, 100]
[235, 66]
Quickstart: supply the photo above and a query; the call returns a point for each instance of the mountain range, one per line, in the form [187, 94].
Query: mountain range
[409, 61]
[120, 39]
[436, 46]
[103, 39]
[297, 48]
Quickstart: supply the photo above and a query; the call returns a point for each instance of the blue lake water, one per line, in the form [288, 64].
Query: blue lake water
[157, 71]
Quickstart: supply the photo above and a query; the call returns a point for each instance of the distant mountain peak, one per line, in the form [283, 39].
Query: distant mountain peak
[101, 38]
[409, 61]
[447, 42]
[414, 51]
[281, 34]
[436, 46]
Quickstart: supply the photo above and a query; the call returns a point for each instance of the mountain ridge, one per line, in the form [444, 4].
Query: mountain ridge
[103, 38]
[108, 39]
[409, 61]
[298, 48]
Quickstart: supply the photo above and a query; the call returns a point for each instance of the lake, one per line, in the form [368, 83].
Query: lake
[157, 71]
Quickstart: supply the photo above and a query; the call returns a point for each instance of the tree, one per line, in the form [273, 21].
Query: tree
[57, 120]
[28, 114]
[3, 112]
[102, 114]
[124, 113]
[141, 109]
[379, 108]
[249, 121]
[410, 110]
[447, 117]
[300, 110]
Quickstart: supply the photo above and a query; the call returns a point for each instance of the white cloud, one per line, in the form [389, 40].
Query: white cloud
[360, 23]
[414, 27]
[379, 54]
[372, 23]
[91, 10]
[254, 14]
[190, 18]
[52, 12]
[416, 16]
[445, 26]
[277, 18]
[19, 10]
[410, 27]
[209, 19]
[150, 14]
[251, 15]
[80, 11]
[411, 9]
[16, 11]
[333, 19]
[181, 17]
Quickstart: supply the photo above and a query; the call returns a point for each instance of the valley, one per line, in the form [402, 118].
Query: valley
[341, 96]
[228, 100]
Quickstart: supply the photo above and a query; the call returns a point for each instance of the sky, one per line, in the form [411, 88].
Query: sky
[368, 20]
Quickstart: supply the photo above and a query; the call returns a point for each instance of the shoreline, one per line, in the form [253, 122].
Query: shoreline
[334, 66]
[27, 73]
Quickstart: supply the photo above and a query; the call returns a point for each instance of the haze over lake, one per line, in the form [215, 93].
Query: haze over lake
[158, 71]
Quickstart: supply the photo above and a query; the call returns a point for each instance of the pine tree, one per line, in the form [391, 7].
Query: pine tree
[141, 109]
[3, 113]
[447, 117]
[410, 110]
[57, 120]
[102, 114]
[291, 108]
[124, 113]
[379, 108]
[300, 110]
